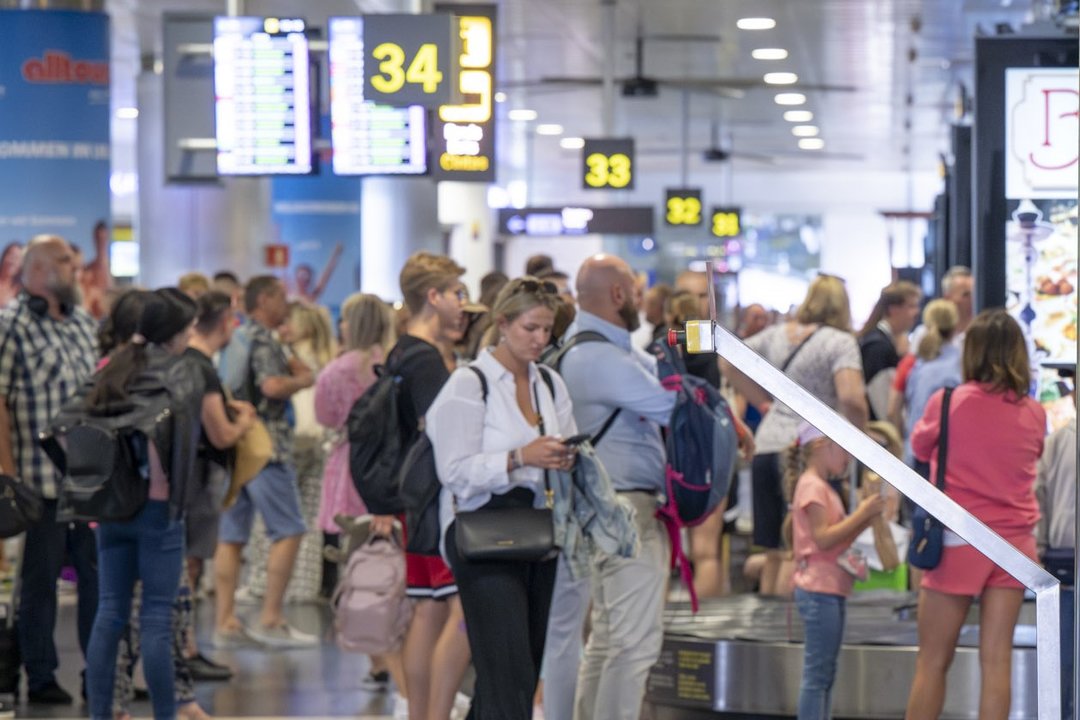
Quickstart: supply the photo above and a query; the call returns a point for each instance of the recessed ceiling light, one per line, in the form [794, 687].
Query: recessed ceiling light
[549, 129]
[790, 99]
[500, 97]
[811, 143]
[805, 131]
[769, 54]
[781, 78]
[572, 143]
[755, 23]
[127, 113]
[799, 116]
[522, 115]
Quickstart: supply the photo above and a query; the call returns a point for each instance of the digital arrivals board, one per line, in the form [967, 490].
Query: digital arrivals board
[262, 99]
[369, 138]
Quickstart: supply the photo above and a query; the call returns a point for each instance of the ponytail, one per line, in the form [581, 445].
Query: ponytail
[112, 380]
[794, 465]
[940, 318]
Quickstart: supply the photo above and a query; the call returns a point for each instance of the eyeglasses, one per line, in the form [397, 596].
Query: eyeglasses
[460, 293]
[537, 286]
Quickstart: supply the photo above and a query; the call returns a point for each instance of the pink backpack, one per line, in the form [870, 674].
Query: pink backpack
[371, 612]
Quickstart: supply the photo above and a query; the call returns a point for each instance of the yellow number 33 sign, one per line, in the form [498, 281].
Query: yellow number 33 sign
[406, 59]
[609, 164]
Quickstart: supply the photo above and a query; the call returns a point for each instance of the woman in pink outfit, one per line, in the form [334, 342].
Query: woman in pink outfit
[995, 439]
[367, 328]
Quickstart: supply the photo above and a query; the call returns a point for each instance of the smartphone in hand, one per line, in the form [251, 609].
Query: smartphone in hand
[577, 439]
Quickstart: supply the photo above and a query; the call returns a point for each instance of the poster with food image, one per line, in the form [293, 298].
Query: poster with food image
[1041, 268]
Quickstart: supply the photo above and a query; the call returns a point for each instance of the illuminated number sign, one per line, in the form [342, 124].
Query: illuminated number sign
[465, 133]
[726, 222]
[407, 59]
[609, 164]
[682, 207]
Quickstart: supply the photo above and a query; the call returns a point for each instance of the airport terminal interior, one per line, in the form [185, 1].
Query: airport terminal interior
[795, 256]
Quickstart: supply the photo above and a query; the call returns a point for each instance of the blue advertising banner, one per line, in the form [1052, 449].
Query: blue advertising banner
[54, 125]
[318, 219]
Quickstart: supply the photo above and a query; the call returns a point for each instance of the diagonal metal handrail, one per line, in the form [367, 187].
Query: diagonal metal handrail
[707, 336]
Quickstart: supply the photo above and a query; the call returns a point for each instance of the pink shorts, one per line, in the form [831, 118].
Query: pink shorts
[966, 571]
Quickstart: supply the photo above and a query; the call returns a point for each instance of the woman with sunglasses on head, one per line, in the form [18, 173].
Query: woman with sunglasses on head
[494, 454]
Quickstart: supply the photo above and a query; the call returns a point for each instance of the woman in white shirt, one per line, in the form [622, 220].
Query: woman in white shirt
[494, 454]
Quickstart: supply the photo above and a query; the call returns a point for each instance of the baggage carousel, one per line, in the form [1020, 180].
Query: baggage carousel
[742, 656]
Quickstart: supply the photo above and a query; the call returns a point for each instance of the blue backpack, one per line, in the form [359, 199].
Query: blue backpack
[702, 444]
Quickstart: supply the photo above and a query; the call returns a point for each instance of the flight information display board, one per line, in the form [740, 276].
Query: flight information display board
[262, 101]
[369, 138]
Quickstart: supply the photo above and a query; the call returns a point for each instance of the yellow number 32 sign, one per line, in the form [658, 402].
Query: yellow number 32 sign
[609, 164]
[407, 59]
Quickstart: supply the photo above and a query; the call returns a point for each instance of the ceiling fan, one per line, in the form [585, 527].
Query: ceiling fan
[640, 85]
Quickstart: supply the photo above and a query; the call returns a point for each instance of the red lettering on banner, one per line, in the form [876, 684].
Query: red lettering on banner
[1049, 118]
[57, 68]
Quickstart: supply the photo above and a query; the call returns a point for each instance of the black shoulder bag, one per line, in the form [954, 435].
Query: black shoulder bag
[928, 537]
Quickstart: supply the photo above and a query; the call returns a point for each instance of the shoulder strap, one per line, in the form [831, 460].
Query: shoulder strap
[545, 375]
[483, 382]
[943, 439]
[584, 336]
[798, 347]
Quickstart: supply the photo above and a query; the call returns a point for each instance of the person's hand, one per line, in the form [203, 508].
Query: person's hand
[870, 507]
[244, 412]
[549, 453]
[382, 525]
[871, 486]
[301, 372]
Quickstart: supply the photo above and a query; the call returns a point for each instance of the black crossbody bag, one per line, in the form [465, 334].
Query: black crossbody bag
[928, 534]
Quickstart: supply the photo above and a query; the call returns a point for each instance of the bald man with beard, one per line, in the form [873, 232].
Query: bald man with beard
[608, 379]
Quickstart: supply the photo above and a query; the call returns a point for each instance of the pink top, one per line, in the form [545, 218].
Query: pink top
[994, 446]
[816, 569]
[339, 386]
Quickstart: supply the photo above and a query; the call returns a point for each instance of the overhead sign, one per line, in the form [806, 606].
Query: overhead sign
[726, 222]
[682, 207]
[554, 221]
[1042, 107]
[465, 133]
[608, 164]
[263, 105]
[368, 138]
[408, 59]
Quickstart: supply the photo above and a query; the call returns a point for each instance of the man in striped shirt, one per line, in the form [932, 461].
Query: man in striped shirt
[47, 350]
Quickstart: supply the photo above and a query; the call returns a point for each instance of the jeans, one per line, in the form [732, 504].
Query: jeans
[149, 547]
[823, 618]
[1068, 660]
[46, 543]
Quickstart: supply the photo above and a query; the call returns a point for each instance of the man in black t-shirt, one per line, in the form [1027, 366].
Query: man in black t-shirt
[884, 340]
[435, 297]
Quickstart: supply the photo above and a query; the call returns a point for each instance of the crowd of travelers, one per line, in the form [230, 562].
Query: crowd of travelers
[250, 490]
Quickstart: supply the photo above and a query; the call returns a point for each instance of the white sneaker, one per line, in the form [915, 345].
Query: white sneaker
[231, 639]
[462, 703]
[401, 707]
[282, 636]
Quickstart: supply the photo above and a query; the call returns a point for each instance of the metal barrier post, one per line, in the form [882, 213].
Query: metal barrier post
[707, 336]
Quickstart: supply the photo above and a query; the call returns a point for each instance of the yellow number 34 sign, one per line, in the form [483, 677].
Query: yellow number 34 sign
[609, 164]
[407, 59]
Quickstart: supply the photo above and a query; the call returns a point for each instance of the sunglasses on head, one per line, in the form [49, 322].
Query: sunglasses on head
[537, 286]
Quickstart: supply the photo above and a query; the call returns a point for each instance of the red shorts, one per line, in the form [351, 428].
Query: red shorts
[966, 571]
[427, 576]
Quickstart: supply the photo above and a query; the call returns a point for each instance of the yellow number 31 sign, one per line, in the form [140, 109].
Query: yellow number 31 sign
[407, 59]
[609, 164]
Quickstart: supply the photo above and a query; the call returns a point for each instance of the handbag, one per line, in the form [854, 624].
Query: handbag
[20, 506]
[509, 534]
[253, 451]
[928, 537]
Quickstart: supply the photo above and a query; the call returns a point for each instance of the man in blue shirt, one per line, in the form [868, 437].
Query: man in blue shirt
[627, 594]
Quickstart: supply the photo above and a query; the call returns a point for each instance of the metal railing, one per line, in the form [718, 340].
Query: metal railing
[707, 336]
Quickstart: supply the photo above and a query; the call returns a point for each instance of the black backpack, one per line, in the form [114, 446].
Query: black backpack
[419, 483]
[376, 439]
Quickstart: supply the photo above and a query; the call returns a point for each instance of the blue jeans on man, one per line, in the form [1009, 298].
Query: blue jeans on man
[823, 618]
[47, 543]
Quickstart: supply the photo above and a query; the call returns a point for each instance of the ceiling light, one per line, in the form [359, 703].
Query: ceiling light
[781, 78]
[549, 129]
[805, 131]
[758, 23]
[500, 97]
[769, 54]
[572, 143]
[811, 143]
[790, 99]
[522, 115]
[799, 116]
[127, 113]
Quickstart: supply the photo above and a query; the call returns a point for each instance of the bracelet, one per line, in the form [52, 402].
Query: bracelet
[515, 459]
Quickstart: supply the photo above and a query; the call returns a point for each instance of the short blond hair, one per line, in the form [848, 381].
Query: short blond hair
[193, 284]
[424, 271]
[826, 303]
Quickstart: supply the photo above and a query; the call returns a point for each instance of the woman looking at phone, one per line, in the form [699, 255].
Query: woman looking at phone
[494, 454]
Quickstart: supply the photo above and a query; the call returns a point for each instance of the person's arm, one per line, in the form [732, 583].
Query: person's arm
[924, 436]
[331, 404]
[896, 409]
[604, 374]
[746, 387]
[828, 536]
[331, 264]
[7, 456]
[851, 396]
[222, 432]
[282, 387]
[883, 539]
